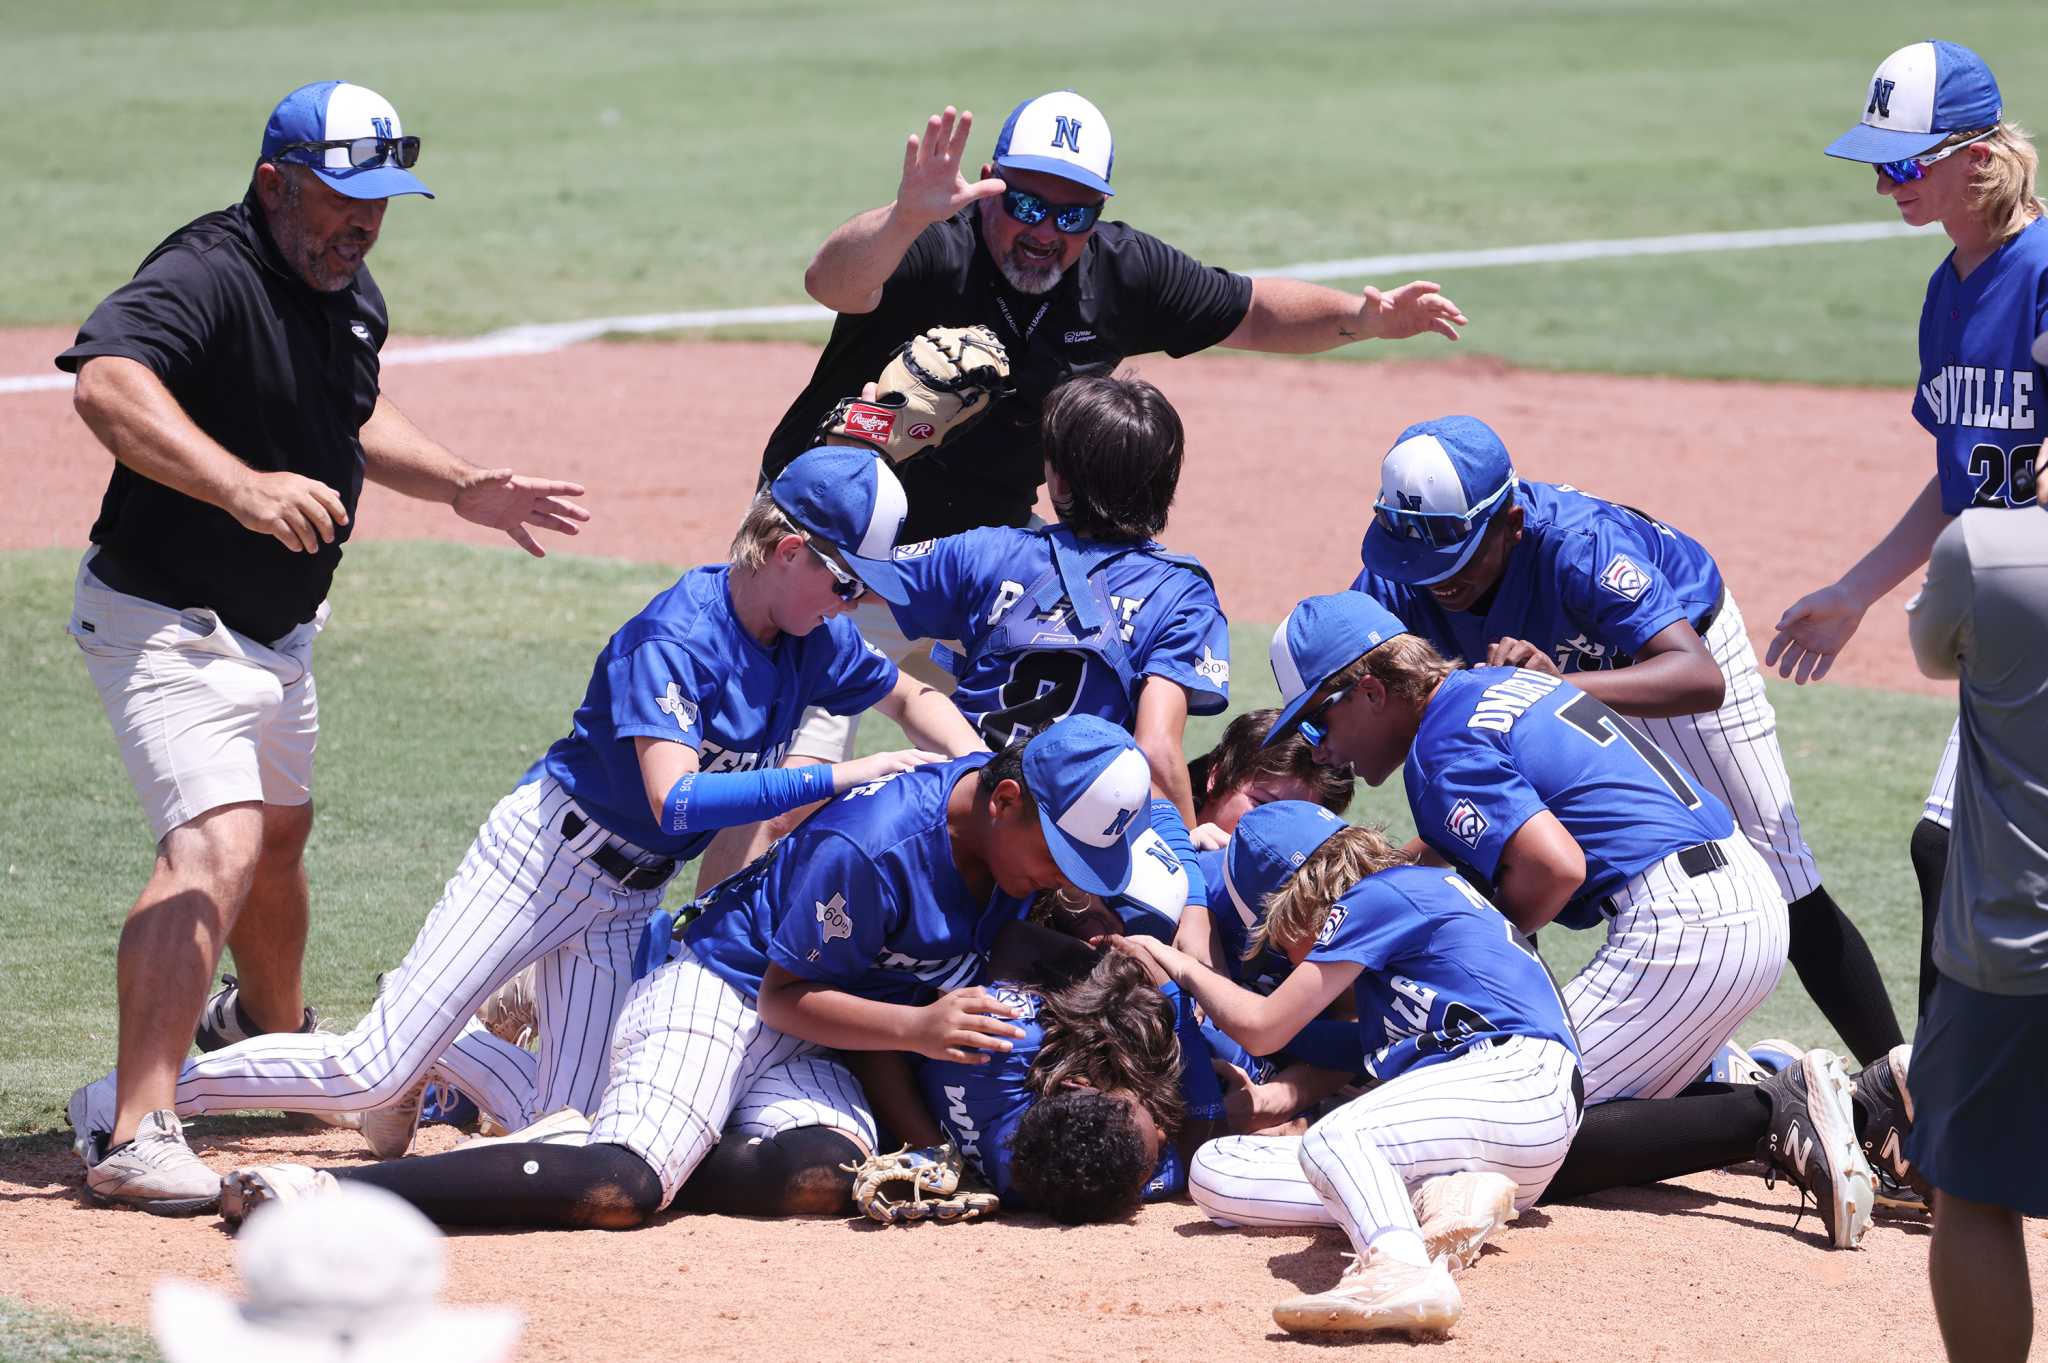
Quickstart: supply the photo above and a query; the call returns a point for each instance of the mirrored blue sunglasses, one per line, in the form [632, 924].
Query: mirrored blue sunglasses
[1029, 209]
[1914, 167]
[1311, 726]
[364, 152]
[845, 586]
[1437, 529]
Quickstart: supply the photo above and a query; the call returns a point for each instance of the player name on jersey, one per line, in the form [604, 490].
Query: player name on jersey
[1987, 399]
[1508, 699]
[1011, 592]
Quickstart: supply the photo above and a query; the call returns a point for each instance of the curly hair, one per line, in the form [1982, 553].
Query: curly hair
[1237, 760]
[1077, 1157]
[1297, 910]
[1111, 1029]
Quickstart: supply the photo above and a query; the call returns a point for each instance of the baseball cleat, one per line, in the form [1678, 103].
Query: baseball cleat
[1812, 1141]
[246, 1189]
[223, 1023]
[156, 1172]
[1461, 1212]
[1776, 1055]
[1734, 1065]
[1380, 1293]
[512, 1013]
[563, 1126]
[1884, 1117]
[389, 1129]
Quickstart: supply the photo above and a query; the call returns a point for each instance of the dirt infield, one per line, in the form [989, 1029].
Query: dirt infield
[1784, 484]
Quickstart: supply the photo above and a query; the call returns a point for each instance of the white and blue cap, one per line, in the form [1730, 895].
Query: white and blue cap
[1919, 97]
[1059, 134]
[335, 111]
[1268, 846]
[1092, 786]
[848, 498]
[1320, 638]
[1440, 486]
[1159, 883]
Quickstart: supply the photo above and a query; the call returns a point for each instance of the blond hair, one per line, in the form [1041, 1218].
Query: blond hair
[760, 532]
[1295, 913]
[1408, 665]
[2002, 184]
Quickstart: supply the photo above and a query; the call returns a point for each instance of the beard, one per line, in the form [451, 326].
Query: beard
[1029, 276]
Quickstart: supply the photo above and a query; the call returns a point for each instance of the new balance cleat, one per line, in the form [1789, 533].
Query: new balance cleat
[1812, 1142]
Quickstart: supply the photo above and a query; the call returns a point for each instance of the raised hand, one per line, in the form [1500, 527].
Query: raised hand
[1812, 632]
[932, 187]
[1408, 311]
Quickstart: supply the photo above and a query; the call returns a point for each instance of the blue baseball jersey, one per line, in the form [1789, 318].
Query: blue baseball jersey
[1498, 745]
[1442, 970]
[862, 896]
[964, 586]
[1980, 393]
[1590, 583]
[685, 670]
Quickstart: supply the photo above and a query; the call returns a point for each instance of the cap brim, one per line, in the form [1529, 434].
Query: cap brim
[1413, 562]
[882, 577]
[1052, 165]
[195, 1324]
[1101, 871]
[1865, 143]
[378, 182]
[1290, 715]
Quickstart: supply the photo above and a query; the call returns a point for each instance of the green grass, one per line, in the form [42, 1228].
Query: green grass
[29, 1334]
[446, 670]
[617, 158]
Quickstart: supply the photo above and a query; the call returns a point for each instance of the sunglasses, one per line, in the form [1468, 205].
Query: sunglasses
[844, 585]
[1437, 529]
[1311, 726]
[1029, 209]
[366, 152]
[1914, 167]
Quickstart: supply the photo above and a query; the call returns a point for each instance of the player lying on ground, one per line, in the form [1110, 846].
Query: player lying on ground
[687, 712]
[1540, 792]
[1478, 1089]
[1507, 573]
[857, 933]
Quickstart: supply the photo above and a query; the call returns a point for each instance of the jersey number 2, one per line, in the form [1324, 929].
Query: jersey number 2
[1043, 686]
[1593, 719]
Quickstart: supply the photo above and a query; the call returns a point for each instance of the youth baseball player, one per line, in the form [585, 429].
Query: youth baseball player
[1933, 129]
[861, 931]
[1476, 1066]
[1505, 572]
[680, 733]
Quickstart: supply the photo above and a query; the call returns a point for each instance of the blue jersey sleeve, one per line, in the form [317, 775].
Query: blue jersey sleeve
[1192, 648]
[1610, 585]
[938, 576]
[1371, 926]
[838, 911]
[1467, 797]
[660, 690]
[856, 674]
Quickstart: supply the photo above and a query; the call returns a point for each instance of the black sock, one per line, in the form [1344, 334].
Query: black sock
[1930, 865]
[1835, 965]
[792, 1173]
[567, 1186]
[1625, 1143]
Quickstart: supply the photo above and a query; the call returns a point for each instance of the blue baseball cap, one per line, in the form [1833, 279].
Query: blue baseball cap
[1159, 883]
[1092, 786]
[335, 111]
[1059, 134]
[1919, 97]
[1320, 638]
[849, 498]
[1440, 486]
[1269, 844]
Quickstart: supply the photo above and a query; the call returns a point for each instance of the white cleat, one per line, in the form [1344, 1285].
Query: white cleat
[156, 1172]
[1380, 1293]
[246, 1189]
[563, 1126]
[389, 1129]
[1461, 1212]
[91, 1110]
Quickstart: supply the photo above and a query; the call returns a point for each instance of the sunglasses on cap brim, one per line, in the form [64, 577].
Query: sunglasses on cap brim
[845, 585]
[1031, 210]
[1915, 167]
[1437, 529]
[364, 153]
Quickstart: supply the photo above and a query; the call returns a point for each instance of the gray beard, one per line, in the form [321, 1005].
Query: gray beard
[1035, 279]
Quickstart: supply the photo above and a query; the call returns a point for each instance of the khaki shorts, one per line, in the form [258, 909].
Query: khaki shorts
[203, 716]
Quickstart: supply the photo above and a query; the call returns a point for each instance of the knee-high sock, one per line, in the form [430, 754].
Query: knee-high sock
[1835, 965]
[1623, 1144]
[1930, 865]
[572, 1186]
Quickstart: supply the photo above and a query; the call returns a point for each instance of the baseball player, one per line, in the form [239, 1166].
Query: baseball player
[679, 734]
[861, 931]
[1505, 572]
[1476, 1066]
[1933, 128]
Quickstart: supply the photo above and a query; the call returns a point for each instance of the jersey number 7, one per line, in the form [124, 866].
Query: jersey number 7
[1592, 718]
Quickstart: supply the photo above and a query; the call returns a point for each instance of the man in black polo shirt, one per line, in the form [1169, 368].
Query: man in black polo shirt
[1070, 295]
[235, 381]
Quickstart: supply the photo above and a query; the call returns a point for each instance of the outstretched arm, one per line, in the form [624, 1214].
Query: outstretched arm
[1290, 316]
[850, 269]
[405, 459]
[1819, 625]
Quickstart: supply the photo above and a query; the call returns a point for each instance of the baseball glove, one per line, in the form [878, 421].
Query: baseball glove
[935, 386]
[909, 1186]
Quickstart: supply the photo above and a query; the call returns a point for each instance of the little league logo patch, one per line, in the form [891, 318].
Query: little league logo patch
[867, 420]
[1330, 925]
[1624, 578]
[685, 711]
[833, 920]
[917, 550]
[1466, 823]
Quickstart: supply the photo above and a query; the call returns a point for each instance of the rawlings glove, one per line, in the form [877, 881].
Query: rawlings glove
[908, 1186]
[934, 387]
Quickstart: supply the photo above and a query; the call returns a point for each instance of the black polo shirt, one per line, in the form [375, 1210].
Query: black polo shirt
[283, 376]
[1129, 294]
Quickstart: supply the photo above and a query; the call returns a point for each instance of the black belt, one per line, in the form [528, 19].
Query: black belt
[630, 873]
[1697, 860]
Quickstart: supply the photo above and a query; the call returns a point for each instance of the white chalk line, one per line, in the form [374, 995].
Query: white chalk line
[538, 338]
